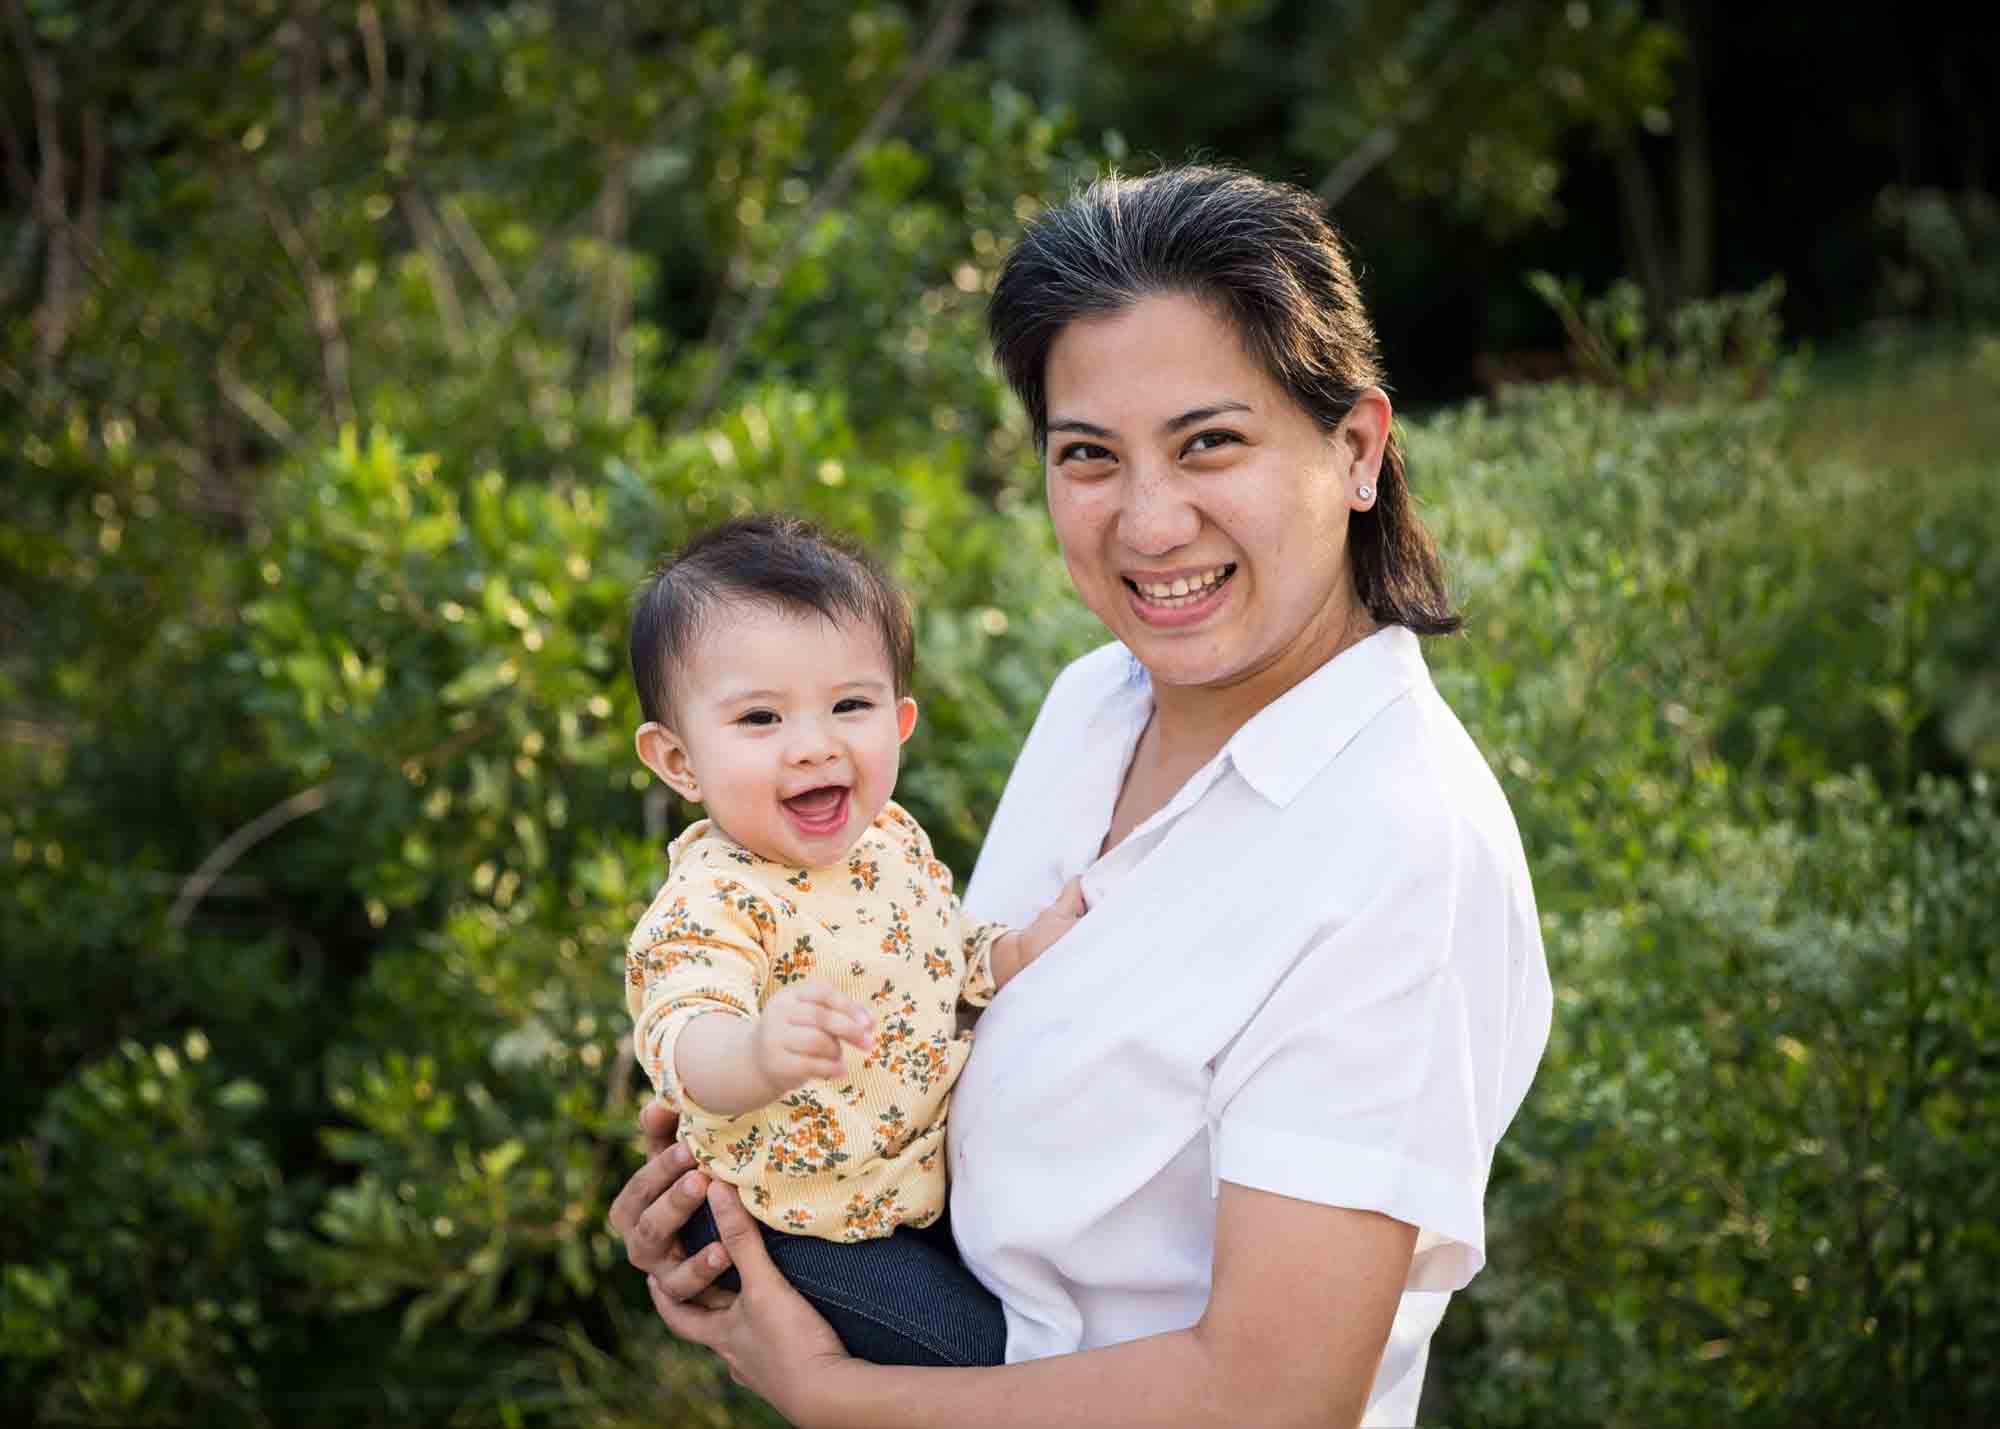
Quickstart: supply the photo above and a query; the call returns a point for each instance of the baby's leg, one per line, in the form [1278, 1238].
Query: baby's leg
[903, 1299]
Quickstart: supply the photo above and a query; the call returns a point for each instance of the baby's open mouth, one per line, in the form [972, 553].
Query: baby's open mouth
[1174, 594]
[819, 810]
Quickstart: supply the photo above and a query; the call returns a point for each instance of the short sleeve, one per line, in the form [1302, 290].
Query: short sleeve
[1359, 1082]
[705, 946]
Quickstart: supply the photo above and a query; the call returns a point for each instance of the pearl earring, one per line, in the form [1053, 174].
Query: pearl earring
[1364, 492]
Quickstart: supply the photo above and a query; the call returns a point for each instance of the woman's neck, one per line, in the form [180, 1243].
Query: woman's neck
[1192, 722]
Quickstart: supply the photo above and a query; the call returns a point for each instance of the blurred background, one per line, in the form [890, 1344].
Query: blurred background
[359, 357]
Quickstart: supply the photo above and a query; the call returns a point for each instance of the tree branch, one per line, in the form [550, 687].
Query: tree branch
[613, 213]
[1368, 155]
[376, 51]
[430, 241]
[247, 400]
[937, 47]
[203, 879]
[479, 257]
[51, 202]
[323, 301]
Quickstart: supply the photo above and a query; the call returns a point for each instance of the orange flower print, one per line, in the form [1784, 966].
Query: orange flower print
[746, 901]
[937, 873]
[927, 1061]
[664, 958]
[812, 1138]
[863, 873]
[892, 1130]
[800, 880]
[793, 966]
[938, 963]
[896, 942]
[796, 1219]
[742, 1152]
[760, 1198]
[867, 1218]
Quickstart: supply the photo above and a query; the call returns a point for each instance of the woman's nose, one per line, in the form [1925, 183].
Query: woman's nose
[1155, 516]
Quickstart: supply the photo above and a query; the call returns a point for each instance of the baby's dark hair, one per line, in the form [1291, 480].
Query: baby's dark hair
[776, 561]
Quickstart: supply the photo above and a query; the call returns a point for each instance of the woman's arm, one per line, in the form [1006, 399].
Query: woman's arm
[1299, 1311]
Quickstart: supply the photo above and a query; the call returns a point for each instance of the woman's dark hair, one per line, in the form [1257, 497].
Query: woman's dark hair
[776, 561]
[1265, 256]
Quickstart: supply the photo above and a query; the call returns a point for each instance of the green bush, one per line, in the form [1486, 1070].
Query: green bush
[321, 830]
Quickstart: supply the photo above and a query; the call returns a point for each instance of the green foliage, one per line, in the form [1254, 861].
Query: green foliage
[1711, 666]
[1717, 347]
[401, 340]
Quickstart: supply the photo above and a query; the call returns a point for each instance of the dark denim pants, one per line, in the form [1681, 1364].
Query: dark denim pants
[905, 1298]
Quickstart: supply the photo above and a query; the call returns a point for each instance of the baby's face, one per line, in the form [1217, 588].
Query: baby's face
[789, 732]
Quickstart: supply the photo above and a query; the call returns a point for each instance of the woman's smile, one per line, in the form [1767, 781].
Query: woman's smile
[1176, 600]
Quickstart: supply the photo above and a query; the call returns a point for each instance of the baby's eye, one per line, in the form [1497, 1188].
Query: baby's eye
[853, 704]
[1083, 451]
[758, 717]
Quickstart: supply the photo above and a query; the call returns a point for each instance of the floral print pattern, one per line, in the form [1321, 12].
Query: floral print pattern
[857, 1156]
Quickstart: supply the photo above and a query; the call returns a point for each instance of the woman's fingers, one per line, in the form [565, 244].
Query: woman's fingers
[654, 1239]
[691, 1279]
[690, 1320]
[742, 1238]
[657, 1121]
[646, 1186]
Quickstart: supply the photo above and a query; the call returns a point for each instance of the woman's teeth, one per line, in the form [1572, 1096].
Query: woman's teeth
[1182, 591]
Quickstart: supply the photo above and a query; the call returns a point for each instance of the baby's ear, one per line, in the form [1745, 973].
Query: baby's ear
[661, 751]
[906, 718]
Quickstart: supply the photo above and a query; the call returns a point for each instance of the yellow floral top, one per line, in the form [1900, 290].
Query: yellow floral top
[853, 1157]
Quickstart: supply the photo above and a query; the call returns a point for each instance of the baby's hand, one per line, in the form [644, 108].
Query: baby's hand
[799, 1034]
[1052, 922]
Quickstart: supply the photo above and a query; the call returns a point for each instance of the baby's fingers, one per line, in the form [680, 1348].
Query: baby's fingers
[821, 1007]
[813, 1049]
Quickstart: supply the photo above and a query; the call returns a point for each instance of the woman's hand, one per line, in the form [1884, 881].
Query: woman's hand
[773, 1341]
[649, 1213]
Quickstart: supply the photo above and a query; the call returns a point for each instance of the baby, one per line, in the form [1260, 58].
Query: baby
[795, 985]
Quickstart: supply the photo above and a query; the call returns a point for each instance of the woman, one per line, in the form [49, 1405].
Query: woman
[1222, 1153]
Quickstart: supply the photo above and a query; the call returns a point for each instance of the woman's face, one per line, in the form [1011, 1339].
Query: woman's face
[1202, 513]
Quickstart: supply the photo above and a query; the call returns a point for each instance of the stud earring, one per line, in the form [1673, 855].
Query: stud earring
[1364, 492]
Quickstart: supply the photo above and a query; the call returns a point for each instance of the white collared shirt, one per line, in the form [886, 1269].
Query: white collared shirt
[1316, 971]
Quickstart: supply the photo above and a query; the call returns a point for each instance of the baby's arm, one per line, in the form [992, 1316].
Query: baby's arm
[1014, 949]
[696, 973]
[730, 1065]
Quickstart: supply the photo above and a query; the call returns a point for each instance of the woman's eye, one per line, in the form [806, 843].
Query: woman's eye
[853, 704]
[758, 717]
[1210, 441]
[1083, 451]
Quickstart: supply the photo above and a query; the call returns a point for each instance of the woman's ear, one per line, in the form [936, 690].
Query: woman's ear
[906, 718]
[1360, 440]
[661, 751]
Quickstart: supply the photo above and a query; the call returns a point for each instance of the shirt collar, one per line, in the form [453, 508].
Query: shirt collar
[1288, 742]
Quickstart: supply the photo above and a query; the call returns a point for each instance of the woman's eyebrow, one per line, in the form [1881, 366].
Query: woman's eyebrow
[1202, 414]
[1169, 427]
